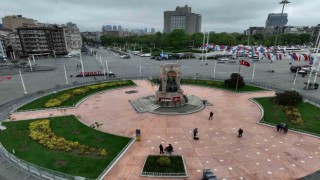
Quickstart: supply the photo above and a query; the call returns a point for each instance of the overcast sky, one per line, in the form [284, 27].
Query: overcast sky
[217, 15]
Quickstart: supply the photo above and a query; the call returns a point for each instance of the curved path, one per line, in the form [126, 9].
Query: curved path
[262, 152]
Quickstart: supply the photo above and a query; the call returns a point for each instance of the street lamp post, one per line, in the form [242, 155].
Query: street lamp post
[283, 2]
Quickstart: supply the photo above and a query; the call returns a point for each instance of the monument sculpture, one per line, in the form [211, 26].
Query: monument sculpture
[170, 93]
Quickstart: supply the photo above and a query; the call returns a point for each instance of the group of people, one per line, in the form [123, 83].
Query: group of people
[282, 126]
[168, 149]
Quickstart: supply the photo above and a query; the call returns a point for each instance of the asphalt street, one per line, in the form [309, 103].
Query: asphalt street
[282, 77]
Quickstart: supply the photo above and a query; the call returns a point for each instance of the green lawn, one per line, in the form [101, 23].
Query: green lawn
[39, 103]
[152, 165]
[17, 137]
[215, 84]
[274, 115]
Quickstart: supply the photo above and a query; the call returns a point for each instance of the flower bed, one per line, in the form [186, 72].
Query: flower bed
[293, 115]
[70, 97]
[41, 132]
[164, 166]
[76, 92]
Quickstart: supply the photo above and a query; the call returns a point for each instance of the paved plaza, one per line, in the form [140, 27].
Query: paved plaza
[262, 152]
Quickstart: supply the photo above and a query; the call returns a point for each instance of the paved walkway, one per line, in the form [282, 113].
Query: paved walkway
[262, 152]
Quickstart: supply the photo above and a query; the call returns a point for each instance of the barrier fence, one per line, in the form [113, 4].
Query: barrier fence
[43, 173]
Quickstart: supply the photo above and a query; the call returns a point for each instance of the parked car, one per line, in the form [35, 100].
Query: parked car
[68, 56]
[125, 56]
[295, 68]
[145, 55]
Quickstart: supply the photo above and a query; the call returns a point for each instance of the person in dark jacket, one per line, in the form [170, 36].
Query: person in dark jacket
[240, 131]
[161, 149]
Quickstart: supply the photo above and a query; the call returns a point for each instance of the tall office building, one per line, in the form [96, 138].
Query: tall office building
[153, 31]
[114, 28]
[275, 19]
[119, 28]
[182, 18]
[274, 23]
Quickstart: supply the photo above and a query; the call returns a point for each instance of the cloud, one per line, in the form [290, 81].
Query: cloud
[217, 15]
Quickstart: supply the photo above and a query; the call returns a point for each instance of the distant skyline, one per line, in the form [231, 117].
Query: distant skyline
[217, 15]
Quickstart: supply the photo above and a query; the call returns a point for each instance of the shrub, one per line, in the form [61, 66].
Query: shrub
[232, 82]
[164, 161]
[288, 98]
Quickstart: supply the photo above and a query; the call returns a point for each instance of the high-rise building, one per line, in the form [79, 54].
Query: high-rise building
[153, 31]
[182, 18]
[119, 28]
[274, 23]
[114, 28]
[16, 21]
[275, 19]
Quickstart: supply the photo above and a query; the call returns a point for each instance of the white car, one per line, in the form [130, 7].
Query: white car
[68, 56]
[145, 55]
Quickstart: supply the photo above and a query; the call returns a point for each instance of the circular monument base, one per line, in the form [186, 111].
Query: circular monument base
[149, 104]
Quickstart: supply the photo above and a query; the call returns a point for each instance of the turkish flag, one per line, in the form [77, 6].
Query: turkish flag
[245, 63]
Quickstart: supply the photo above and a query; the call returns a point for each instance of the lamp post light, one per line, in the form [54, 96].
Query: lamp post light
[283, 2]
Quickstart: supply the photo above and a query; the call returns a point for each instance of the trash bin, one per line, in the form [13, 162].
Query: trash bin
[138, 134]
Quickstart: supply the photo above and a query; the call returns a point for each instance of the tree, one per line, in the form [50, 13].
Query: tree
[288, 98]
[232, 82]
[178, 38]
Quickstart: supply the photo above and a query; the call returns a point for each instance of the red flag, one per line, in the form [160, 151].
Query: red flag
[306, 58]
[268, 55]
[245, 63]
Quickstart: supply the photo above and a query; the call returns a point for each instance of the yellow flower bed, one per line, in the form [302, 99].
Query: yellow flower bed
[53, 103]
[66, 96]
[293, 115]
[40, 131]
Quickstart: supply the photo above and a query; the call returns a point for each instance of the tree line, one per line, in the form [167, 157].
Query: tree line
[179, 39]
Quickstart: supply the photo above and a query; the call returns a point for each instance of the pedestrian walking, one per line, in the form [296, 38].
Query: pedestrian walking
[161, 149]
[240, 131]
[210, 115]
[195, 132]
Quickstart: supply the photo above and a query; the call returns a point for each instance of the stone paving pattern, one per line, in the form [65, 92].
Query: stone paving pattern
[262, 152]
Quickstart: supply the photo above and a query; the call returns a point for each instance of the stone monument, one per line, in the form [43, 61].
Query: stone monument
[170, 93]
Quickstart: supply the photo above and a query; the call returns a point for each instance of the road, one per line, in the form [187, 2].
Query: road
[36, 81]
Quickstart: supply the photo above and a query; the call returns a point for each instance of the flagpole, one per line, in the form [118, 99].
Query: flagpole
[214, 68]
[254, 68]
[295, 78]
[238, 76]
[34, 61]
[107, 66]
[30, 64]
[311, 69]
[82, 68]
[65, 74]
[207, 46]
[104, 71]
[100, 60]
[24, 88]
[140, 69]
[54, 53]
[204, 37]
